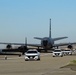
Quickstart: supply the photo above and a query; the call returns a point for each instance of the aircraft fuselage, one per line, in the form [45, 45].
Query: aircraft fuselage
[47, 43]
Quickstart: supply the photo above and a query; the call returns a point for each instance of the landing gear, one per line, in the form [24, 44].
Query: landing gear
[57, 47]
[45, 50]
[38, 50]
[19, 55]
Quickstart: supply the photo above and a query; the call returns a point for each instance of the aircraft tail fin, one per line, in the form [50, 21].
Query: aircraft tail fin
[25, 41]
[50, 30]
[49, 33]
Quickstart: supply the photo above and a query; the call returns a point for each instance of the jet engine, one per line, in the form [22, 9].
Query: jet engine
[8, 46]
[70, 46]
[22, 49]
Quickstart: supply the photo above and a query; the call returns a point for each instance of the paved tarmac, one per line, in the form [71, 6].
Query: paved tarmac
[48, 65]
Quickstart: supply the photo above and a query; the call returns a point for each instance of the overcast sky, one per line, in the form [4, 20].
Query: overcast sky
[30, 18]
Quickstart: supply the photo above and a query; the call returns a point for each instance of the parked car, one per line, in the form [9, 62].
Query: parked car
[32, 55]
[67, 52]
[57, 52]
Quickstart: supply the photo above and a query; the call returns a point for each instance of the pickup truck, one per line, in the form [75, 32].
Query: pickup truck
[57, 52]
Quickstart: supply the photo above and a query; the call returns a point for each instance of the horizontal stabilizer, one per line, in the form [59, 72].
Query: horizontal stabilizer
[59, 38]
[38, 38]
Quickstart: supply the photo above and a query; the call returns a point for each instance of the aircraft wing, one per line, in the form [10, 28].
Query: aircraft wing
[12, 43]
[22, 44]
[34, 45]
[64, 44]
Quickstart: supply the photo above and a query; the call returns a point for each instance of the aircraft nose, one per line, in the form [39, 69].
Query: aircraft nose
[45, 42]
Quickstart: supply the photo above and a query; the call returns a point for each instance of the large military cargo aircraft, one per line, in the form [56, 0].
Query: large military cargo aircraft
[46, 43]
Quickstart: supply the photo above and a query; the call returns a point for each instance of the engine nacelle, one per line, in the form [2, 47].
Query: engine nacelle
[23, 49]
[9, 46]
[70, 46]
